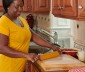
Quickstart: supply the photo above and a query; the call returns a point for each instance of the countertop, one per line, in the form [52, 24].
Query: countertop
[62, 63]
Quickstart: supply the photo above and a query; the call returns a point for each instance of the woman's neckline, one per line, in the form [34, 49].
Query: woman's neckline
[15, 21]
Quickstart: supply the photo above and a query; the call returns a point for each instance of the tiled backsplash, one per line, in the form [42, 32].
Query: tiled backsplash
[42, 21]
[78, 45]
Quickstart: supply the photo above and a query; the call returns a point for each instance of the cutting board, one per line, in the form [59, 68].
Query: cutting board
[60, 63]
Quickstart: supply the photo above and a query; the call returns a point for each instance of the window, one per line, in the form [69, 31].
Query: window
[61, 22]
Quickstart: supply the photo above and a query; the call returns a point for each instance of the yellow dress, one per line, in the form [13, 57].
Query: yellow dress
[19, 39]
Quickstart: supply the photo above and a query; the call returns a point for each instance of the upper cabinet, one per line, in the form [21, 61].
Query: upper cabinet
[37, 6]
[34, 6]
[25, 7]
[28, 6]
[56, 10]
[81, 8]
[73, 9]
[69, 7]
[42, 6]
[64, 8]
[1, 7]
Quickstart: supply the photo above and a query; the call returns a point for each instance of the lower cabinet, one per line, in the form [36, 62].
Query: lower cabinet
[32, 67]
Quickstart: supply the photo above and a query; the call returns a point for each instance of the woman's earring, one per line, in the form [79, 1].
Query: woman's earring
[7, 8]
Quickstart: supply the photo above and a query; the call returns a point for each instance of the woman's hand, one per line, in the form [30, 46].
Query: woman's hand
[32, 57]
[55, 48]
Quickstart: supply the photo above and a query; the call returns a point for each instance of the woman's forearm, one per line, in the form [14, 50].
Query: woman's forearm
[40, 41]
[5, 50]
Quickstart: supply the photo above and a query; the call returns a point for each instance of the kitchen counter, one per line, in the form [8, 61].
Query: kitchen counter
[62, 63]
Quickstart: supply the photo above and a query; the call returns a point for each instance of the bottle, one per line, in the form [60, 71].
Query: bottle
[81, 54]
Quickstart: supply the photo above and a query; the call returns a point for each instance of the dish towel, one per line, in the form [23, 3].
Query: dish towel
[77, 70]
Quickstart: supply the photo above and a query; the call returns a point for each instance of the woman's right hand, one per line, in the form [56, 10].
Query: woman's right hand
[32, 57]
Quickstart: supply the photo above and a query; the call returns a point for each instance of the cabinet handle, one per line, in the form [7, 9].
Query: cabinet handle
[62, 7]
[80, 7]
[59, 7]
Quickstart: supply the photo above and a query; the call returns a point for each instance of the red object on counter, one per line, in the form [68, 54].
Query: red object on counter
[77, 70]
[71, 52]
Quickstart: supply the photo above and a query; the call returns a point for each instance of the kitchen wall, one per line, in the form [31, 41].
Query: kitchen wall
[52, 24]
[42, 21]
[79, 33]
[24, 15]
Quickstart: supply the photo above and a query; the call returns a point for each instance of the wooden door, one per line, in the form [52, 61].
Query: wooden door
[56, 7]
[32, 67]
[69, 8]
[30, 5]
[42, 6]
[1, 6]
[81, 8]
[25, 7]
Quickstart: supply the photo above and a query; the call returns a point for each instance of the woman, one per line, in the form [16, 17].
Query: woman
[15, 37]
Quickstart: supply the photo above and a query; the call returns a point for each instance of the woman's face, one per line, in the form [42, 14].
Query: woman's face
[15, 8]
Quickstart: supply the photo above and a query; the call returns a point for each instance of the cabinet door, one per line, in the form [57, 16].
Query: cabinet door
[69, 8]
[1, 7]
[81, 8]
[30, 5]
[25, 7]
[42, 6]
[31, 67]
[56, 7]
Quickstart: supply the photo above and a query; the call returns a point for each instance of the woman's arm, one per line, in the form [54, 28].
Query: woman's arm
[8, 51]
[40, 41]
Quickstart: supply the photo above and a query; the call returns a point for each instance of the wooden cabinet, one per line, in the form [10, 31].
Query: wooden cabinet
[67, 8]
[25, 7]
[28, 6]
[42, 6]
[81, 8]
[1, 7]
[32, 67]
[56, 7]
[37, 6]
[73, 9]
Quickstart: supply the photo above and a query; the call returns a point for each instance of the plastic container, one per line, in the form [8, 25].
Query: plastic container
[81, 54]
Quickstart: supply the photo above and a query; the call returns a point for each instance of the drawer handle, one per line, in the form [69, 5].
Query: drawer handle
[80, 7]
[59, 7]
